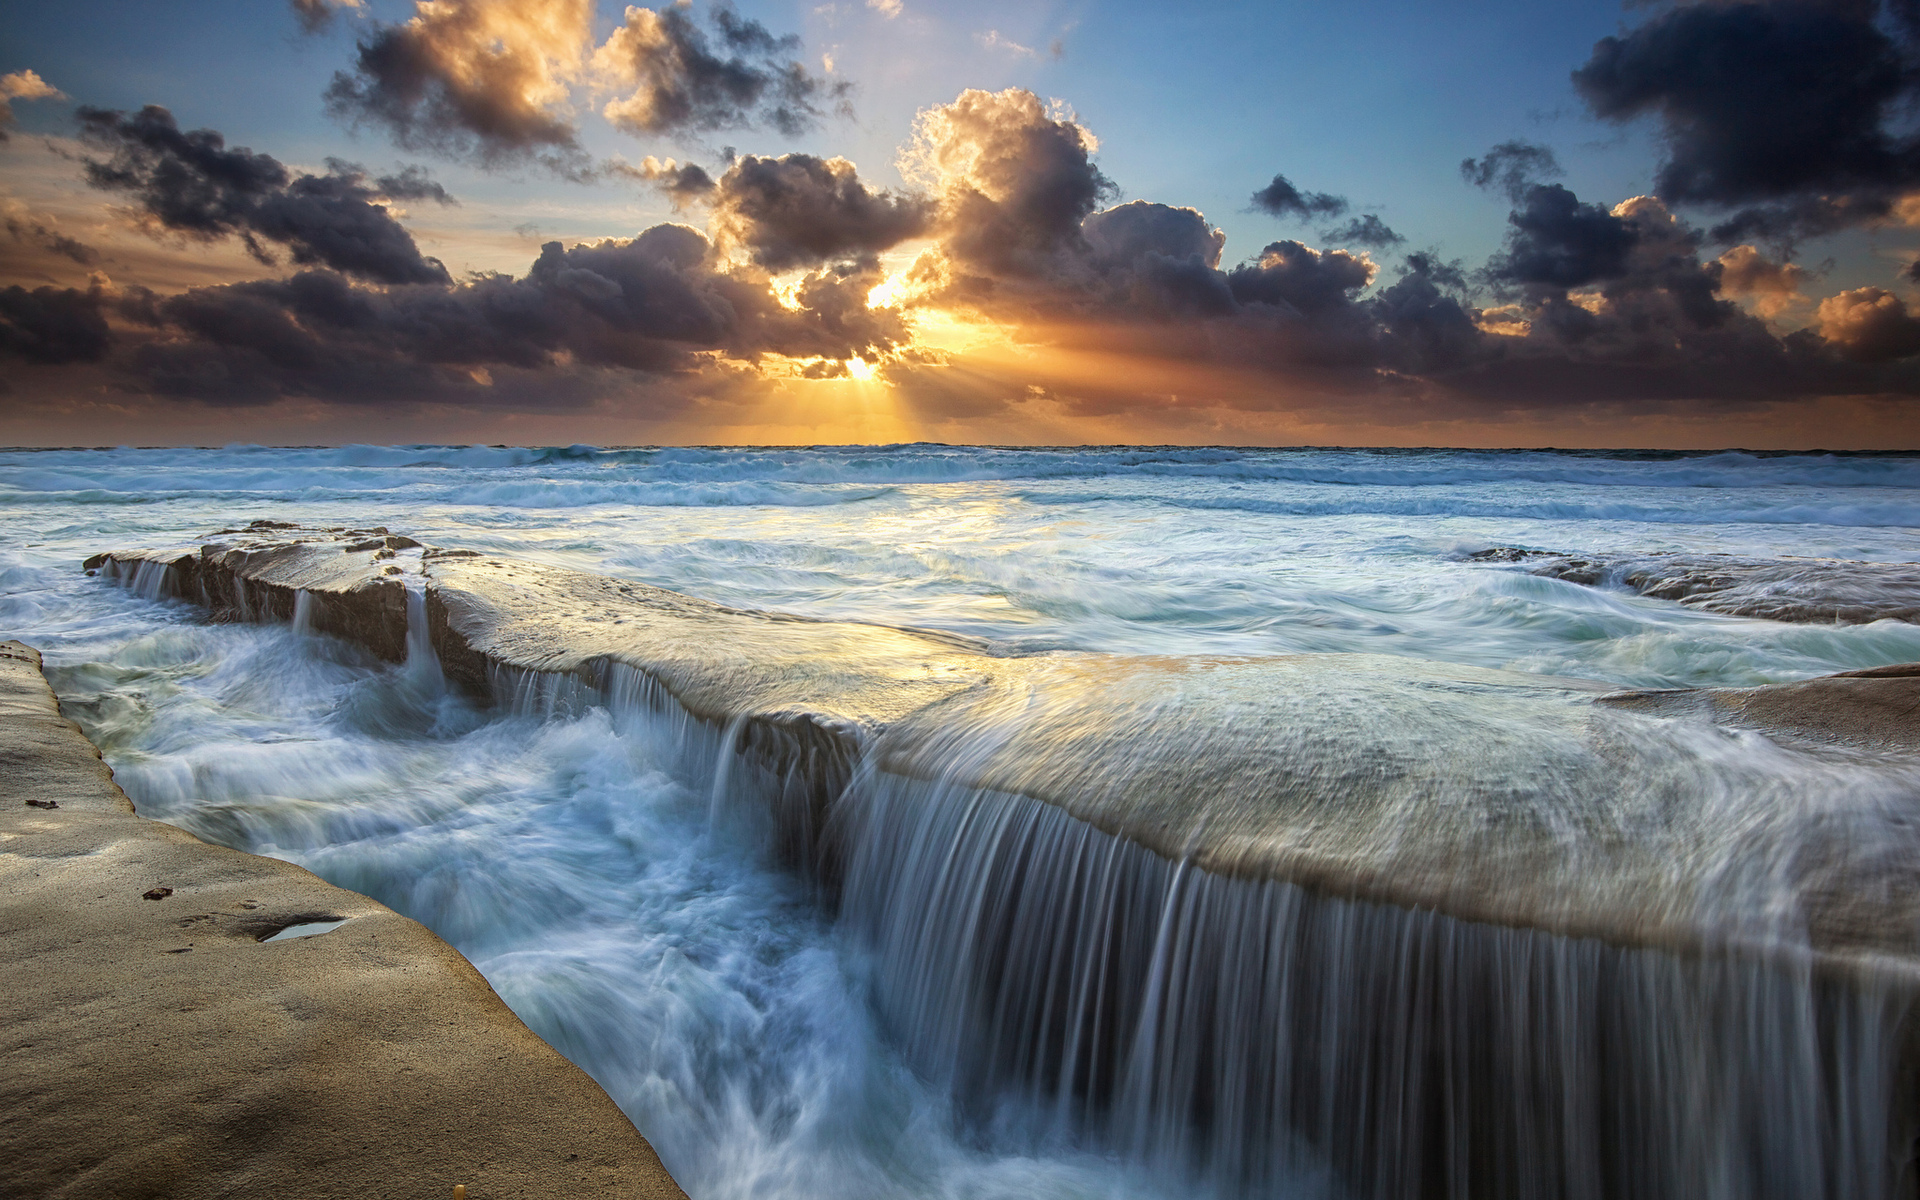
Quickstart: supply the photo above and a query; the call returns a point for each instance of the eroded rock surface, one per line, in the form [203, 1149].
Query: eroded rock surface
[154, 1044]
[1873, 710]
[1808, 590]
[1389, 855]
[1696, 818]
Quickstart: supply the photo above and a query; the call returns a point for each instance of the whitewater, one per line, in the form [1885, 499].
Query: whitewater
[638, 921]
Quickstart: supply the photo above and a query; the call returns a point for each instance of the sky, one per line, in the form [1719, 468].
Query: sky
[555, 221]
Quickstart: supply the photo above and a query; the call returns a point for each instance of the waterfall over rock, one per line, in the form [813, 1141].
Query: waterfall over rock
[1380, 926]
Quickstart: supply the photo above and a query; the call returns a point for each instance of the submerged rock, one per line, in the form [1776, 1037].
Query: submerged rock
[1808, 590]
[1874, 710]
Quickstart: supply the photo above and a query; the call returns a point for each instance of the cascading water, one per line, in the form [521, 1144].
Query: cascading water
[1260, 1034]
[964, 992]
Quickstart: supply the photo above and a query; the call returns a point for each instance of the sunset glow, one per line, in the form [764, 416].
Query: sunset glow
[565, 241]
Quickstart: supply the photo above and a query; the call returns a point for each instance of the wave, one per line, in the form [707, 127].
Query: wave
[361, 469]
[1902, 513]
[570, 494]
[494, 492]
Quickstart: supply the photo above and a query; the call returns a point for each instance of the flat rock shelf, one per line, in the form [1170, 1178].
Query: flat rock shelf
[158, 1041]
[1820, 591]
[1424, 930]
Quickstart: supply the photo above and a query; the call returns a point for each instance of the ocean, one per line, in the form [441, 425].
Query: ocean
[639, 924]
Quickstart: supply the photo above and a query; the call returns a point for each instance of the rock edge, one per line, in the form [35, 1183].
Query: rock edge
[156, 1046]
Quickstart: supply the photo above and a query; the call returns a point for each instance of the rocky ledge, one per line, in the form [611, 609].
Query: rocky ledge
[186, 1021]
[1730, 818]
[1825, 591]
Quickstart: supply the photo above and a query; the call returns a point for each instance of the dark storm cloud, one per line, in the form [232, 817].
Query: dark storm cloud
[1809, 217]
[1647, 326]
[1367, 230]
[1637, 266]
[1558, 241]
[682, 78]
[1282, 199]
[1513, 168]
[1666, 258]
[1298, 307]
[1294, 276]
[799, 210]
[1790, 111]
[656, 305]
[1591, 305]
[1424, 324]
[53, 325]
[191, 183]
[1601, 302]
[1131, 231]
[1159, 259]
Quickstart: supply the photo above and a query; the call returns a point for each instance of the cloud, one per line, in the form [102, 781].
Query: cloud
[1869, 325]
[578, 322]
[1635, 263]
[53, 325]
[1014, 178]
[993, 39]
[799, 210]
[1282, 199]
[1424, 325]
[1156, 259]
[191, 183]
[1774, 286]
[1290, 275]
[482, 79]
[680, 78]
[1791, 112]
[1557, 241]
[315, 15]
[1065, 302]
[22, 85]
[1513, 168]
[1131, 231]
[1790, 221]
[887, 8]
[31, 229]
[1366, 230]
[683, 184]
[1665, 257]
[1607, 306]
[495, 81]
[27, 85]
[1615, 307]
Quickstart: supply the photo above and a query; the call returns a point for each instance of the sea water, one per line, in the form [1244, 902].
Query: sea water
[579, 863]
